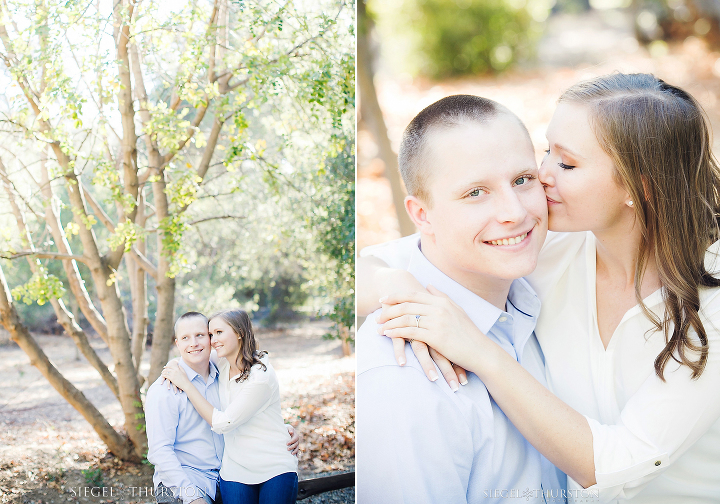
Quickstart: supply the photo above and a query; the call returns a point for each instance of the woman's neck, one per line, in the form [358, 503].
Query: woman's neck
[234, 370]
[617, 254]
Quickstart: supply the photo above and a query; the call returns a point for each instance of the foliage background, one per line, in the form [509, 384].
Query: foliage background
[561, 43]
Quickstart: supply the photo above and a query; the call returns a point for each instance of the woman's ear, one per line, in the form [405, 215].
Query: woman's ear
[417, 209]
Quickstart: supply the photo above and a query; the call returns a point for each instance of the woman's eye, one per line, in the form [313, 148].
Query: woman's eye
[475, 192]
[523, 180]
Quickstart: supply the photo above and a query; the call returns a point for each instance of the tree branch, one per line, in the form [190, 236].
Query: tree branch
[218, 217]
[41, 254]
[98, 210]
[144, 263]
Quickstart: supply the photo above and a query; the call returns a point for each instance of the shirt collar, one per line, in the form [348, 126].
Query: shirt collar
[191, 373]
[482, 313]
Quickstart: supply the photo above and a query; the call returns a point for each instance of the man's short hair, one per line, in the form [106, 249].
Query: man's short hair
[445, 113]
[188, 315]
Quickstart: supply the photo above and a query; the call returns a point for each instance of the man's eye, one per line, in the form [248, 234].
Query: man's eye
[475, 192]
[523, 180]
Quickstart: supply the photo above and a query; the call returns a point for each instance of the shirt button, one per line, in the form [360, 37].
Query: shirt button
[657, 462]
[502, 319]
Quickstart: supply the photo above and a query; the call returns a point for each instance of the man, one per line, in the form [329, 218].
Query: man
[469, 167]
[182, 446]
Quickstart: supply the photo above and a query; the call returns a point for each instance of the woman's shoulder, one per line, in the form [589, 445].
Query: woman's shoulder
[557, 254]
[262, 371]
[709, 299]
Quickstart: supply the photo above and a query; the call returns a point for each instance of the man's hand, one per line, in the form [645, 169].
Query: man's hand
[294, 443]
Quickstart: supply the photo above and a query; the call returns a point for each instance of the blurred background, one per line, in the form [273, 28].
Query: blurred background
[521, 53]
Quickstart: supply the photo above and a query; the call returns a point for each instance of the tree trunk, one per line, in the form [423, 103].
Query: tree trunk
[114, 312]
[139, 298]
[372, 115]
[77, 284]
[118, 445]
[163, 332]
[64, 316]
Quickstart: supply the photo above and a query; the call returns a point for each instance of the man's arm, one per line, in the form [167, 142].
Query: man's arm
[161, 417]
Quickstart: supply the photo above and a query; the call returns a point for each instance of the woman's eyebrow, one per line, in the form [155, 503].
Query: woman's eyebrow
[570, 151]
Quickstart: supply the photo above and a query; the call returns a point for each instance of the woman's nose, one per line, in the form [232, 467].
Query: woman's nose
[545, 173]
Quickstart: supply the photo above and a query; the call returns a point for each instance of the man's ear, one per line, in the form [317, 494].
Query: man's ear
[417, 210]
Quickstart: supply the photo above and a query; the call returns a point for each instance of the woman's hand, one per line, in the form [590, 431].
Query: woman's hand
[428, 358]
[442, 325]
[173, 372]
[294, 443]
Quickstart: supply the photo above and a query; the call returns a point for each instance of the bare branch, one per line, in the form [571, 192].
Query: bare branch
[212, 141]
[144, 263]
[41, 254]
[98, 210]
[218, 217]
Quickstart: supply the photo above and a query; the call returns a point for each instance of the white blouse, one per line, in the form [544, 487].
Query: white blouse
[254, 430]
[654, 442]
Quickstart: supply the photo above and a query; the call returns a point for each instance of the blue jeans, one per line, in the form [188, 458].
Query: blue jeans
[281, 489]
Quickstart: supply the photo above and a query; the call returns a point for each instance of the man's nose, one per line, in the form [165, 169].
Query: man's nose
[509, 208]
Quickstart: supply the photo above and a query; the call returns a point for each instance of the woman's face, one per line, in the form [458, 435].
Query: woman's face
[223, 339]
[577, 174]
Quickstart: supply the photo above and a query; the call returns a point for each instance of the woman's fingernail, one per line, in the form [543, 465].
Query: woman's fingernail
[453, 385]
[463, 380]
[433, 375]
[383, 299]
[380, 330]
[401, 361]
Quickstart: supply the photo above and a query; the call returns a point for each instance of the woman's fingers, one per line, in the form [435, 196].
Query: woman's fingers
[405, 332]
[399, 351]
[401, 321]
[421, 297]
[423, 357]
[446, 368]
[436, 292]
[461, 374]
[394, 311]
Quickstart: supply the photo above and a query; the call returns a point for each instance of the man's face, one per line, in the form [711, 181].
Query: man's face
[488, 214]
[193, 341]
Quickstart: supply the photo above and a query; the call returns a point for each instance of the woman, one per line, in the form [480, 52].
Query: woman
[256, 466]
[631, 312]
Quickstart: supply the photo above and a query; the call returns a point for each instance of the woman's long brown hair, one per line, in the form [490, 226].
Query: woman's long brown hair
[248, 355]
[658, 138]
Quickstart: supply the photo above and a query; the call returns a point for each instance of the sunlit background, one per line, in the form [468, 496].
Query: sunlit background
[520, 53]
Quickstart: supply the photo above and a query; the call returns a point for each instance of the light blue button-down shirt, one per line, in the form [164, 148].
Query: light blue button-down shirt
[181, 445]
[420, 442]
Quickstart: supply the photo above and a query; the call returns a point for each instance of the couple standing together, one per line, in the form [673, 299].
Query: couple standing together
[603, 363]
[221, 438]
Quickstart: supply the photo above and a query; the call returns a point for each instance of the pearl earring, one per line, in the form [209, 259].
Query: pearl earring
[630, 203]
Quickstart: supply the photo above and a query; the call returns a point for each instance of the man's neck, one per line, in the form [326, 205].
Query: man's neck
[492, 289]
[201, 369]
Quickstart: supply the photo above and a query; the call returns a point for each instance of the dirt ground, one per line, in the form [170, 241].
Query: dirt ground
[49, 454]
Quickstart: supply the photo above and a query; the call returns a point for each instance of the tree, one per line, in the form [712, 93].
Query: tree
[372, 115]
[118, 117]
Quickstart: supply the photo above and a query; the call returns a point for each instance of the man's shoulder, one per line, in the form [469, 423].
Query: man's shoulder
[159, 392]
[372, 350]
[375, 354]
